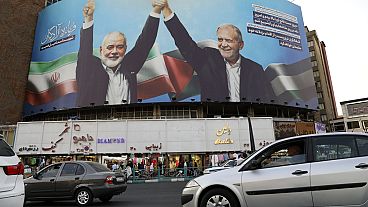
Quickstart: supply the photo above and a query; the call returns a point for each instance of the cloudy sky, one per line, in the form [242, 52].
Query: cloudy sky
[343, 26]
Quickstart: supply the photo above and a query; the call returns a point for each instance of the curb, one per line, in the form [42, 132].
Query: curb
[159, 180]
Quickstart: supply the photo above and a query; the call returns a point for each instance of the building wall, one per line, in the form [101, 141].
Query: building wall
[18, 22]
[159, 136]
[18, 19]
[327, 104]
[355, 115]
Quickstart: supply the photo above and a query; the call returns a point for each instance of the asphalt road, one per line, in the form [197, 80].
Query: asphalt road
[164, 194]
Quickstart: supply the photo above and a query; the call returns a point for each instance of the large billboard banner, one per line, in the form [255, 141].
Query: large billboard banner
[95, 52]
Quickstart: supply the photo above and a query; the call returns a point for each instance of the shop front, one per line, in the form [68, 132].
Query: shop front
[147, 144]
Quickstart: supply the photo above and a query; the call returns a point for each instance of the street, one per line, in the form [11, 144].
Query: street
[164, 194]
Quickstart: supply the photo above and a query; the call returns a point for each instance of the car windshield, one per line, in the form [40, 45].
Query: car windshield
[98, 167]
[241, 160]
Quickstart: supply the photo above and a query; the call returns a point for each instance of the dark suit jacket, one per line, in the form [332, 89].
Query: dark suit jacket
[92, 79]
[211, 69]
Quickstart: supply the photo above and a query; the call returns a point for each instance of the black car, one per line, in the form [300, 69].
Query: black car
[79, 180]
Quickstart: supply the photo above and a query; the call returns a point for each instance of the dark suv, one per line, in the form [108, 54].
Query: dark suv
[79, 180]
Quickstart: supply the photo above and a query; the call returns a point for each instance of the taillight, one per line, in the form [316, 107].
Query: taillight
[109, 179]
[14, 169]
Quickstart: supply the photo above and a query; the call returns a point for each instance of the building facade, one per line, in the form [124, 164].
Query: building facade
[149, 132]
[321, 72]
[172, 139]
[12, 92]
[355, 115]
[14, 80]
[18, 19]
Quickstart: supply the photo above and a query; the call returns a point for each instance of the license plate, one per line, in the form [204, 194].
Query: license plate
[120, 179]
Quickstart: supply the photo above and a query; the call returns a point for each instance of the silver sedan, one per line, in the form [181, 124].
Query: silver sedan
[311, 170]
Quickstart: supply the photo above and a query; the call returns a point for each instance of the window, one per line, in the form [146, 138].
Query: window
[319, 95]
[310, 43]
[315, 74]
[312, 54]
[80, 170]
[365, 124]
[314, 63]
[50, 171]
[323, 117]
[362, 143]
[331, 148]
[284, 154]
[98, 167]
[69, 169]
[143, 112]
[353, 124]
[178, 112]
[5, 150]
[318, 84]
[321, 106]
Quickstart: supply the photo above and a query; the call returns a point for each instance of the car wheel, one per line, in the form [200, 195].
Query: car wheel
[83, 197]
[219, 197]
[105, 199]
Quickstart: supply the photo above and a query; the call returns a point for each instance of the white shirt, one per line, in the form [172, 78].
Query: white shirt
[235, 155]
[118, 88]
[233, 75]
[233, 80]
[114, 167]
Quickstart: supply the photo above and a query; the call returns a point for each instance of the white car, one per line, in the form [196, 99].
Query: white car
[311, 170]
[226, 165]
[11, 177]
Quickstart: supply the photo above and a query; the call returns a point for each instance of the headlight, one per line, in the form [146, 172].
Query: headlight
[192, 184]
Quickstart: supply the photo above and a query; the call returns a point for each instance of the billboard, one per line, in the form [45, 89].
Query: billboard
[81, 58]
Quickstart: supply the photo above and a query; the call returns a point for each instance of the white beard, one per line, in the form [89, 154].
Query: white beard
[111, 63]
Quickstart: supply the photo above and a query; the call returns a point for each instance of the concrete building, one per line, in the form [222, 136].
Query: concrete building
[355, 115]
[321, 72]
[19, 27]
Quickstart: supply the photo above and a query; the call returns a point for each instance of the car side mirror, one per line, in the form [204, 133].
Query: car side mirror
[35, 176]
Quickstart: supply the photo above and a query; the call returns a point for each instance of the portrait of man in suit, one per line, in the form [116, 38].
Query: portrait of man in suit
[112, 78]
[224, 74]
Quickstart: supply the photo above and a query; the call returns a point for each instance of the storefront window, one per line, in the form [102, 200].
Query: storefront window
[88, 158]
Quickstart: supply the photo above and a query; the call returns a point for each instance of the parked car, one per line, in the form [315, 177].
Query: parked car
[11, 177]
[79, 180]
[226, 165]
[312, 170]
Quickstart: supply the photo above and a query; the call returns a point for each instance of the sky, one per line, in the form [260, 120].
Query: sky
[343, 26]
